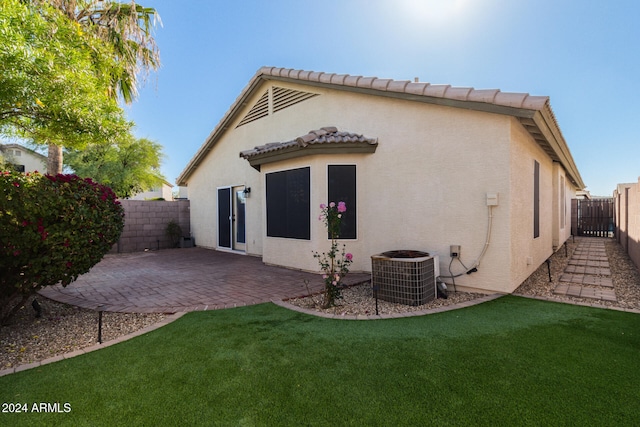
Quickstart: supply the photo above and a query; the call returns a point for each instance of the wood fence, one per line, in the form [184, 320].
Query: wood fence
[595, 218]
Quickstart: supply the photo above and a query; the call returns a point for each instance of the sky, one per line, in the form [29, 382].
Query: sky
[583, 54]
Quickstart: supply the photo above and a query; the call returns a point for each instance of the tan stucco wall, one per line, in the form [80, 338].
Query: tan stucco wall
[527, 253]
[425, 187]
[627, 205]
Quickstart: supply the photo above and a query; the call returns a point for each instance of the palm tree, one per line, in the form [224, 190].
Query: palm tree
[127, 28]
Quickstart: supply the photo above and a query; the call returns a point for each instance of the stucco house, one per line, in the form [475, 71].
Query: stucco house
[420, 167]
[163, 190]
[24, 159]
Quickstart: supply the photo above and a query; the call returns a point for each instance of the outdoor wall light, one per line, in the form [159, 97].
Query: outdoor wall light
[247, 191]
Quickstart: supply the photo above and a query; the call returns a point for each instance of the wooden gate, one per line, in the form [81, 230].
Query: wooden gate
[593, 218]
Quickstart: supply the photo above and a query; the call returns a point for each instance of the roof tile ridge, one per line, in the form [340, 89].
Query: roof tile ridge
[416, 88]
[381, 84]
[458, 93]
[437, 90]
[397, 86]
[510, 99]
[366, 82]
[265, 70]
[306, 139]
[304, 75]
[329, 129]
[338, 78]
[536, 102]
[315, 76]
[483, 95]
[352, 80]
[326, 77]
[286, 72]
[294, 74]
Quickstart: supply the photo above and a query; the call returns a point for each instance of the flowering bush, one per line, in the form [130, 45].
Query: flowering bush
[335, 263]
[52, 229]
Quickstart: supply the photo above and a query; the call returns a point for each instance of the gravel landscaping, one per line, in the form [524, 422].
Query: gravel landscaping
[63, 328]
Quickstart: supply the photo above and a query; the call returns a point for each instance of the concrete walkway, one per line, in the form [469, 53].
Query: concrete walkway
[181, 280]
[588, 274]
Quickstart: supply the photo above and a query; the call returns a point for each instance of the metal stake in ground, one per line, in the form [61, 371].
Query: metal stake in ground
[375, 295]
[548, 261]
[100, 323]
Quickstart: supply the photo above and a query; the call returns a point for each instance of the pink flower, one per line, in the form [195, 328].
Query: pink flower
[342, 207]
[348, 256]
[332, 205]
[323, 206]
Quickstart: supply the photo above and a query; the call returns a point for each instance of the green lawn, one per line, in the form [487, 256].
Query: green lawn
[512, 361]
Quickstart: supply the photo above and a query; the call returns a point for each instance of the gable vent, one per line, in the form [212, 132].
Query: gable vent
[279, 98]
[260, 110]
[283, 98]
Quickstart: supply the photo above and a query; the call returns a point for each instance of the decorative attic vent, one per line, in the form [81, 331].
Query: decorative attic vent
[260, 110]
[283, 98]
[278, 98]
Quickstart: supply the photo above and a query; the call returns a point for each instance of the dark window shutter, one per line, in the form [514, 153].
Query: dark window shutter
[342, 188]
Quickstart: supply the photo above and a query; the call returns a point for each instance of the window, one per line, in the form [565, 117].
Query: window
[536, 199]
[342, 187]
[563, 204]
[288, 204]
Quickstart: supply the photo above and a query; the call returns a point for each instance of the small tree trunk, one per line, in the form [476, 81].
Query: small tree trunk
[11, 306]
[54, 159]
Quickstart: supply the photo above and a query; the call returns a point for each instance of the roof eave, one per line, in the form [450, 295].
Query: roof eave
[222, 126]
[257, 160]
[545, 131]
[448, 102]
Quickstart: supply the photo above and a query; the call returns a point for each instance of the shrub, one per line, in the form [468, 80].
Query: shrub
[52, 230]
[174, 233]
[335, 263]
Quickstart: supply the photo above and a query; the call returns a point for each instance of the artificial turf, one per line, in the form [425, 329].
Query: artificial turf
[511, 361]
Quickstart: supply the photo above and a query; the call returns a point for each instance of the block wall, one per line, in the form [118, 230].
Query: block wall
[145, 224]
[627, 204]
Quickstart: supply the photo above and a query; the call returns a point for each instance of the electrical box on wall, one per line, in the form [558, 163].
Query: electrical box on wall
[454, 251]
[492, 199]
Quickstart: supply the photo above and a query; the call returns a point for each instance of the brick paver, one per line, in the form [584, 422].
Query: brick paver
[588, 274]
[179, 280]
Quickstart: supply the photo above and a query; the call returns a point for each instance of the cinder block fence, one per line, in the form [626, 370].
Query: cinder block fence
[145, 225]
[627, 203]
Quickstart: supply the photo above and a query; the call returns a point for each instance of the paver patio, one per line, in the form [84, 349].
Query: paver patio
[179, 280]
[588, 274]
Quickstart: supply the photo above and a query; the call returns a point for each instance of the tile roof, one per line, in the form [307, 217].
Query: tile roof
[469, 94]
[533, 112]
[326, 137]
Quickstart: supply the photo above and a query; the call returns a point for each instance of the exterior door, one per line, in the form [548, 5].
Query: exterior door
[231, 218]
[238, 219]
[224, 217]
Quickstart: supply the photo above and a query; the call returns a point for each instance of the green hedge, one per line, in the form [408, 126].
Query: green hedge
[52, 229]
